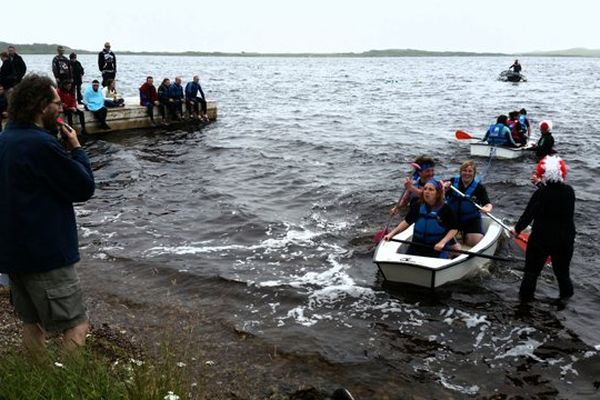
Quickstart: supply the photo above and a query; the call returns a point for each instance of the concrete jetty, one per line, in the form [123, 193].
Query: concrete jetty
[133, 116]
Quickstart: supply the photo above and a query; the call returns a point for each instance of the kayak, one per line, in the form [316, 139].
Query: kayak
[398, 267]
[483, 149]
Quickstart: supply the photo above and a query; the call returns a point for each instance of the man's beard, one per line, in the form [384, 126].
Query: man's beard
[49, 122]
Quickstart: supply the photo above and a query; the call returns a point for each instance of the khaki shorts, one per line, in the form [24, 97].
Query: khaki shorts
[52, 299]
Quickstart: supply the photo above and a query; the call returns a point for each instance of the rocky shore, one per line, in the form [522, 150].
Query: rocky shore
[226, 365]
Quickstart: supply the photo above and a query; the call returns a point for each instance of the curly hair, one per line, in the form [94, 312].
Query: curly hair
[29, 98]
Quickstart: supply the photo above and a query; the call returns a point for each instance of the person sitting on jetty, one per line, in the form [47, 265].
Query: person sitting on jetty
[111, 97]
[70, 105]
[192, 100]
[164, 99]
[545, 146]
[149, 98]
[467, 214]
[94, 102]
[516, 67]
[435, 223]
[413, 186]
[176, 99]
[498, 134]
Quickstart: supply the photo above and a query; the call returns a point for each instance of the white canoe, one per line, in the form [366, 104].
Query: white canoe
[483, 149]
[431, 272]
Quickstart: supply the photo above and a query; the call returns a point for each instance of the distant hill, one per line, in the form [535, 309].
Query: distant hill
[44, 48]
[575, 52]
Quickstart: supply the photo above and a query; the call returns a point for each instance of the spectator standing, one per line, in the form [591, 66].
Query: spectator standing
[8, 78]
[69, 105]
[149, 98]
[192, 100]
[94, 102]
[61, 67]
[3, 106]
[77, 72]
[17, 63]
[176, 99]
[107, 63]
[38, 244]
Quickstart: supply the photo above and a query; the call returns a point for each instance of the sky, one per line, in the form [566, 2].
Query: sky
[318, 26]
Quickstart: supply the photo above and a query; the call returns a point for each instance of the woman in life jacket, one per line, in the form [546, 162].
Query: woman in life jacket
[467, 214]
[435, 223]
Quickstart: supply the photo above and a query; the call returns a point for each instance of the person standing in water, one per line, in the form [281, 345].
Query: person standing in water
[551, 209]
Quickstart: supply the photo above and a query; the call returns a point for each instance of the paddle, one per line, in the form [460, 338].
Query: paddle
[470, 253]
[381, 233]
[522, 243]
[502, 224]
[520, 240]
[462, 135]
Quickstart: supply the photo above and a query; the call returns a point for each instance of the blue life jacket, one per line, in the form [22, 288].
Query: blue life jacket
[465, 210]
[497, 135]
[428, 228]
[522, 123]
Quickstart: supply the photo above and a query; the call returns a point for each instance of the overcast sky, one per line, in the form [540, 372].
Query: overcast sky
[278, 26]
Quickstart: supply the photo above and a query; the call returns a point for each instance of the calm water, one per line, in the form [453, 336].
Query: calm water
[273, 208]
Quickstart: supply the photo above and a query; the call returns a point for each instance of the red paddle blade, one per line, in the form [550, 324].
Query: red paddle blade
[462, 135]
[521, 240]
[379, 235]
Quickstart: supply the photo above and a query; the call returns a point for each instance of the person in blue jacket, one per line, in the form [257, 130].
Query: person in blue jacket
[93, 99]
[176, 99]
[499, 134]
[467, 214]
[40, 181]
[193, 102]
[435, 224]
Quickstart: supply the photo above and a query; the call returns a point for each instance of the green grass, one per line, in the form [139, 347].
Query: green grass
[91, 375]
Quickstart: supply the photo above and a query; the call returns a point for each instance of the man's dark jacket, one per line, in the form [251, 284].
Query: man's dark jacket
[39, 181]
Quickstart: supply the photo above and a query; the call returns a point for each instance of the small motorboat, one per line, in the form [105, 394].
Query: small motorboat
[483, 149]
[511, 76]
[398, 267]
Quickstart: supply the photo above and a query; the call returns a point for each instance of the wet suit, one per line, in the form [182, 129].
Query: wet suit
[551, 209]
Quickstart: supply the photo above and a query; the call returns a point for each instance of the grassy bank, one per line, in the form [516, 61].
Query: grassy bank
[110, 367]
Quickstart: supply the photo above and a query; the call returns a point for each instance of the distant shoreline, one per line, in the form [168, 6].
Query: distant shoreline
[50, 49]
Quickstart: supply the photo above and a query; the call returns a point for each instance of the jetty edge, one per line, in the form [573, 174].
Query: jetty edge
[134, 116]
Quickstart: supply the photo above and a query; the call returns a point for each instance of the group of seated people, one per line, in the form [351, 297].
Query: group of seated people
[438, 212]
[170, 97]
[513, 130]
[94, 100]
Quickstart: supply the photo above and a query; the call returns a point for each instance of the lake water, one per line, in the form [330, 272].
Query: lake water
[265, 217]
